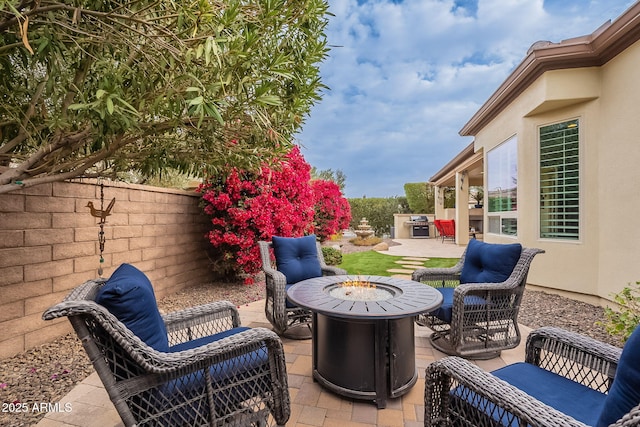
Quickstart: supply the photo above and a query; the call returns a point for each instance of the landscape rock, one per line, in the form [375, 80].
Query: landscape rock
[382, 246]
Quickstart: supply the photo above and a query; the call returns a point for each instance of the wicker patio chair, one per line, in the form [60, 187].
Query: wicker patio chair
[482, 294]
[567, 380]
[288, 319]
[208, 370]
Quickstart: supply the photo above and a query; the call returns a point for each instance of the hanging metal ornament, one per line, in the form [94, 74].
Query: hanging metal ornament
[101, 213]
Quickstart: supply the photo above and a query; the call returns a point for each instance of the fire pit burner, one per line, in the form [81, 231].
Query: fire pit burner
[363, 346]
[361, 291]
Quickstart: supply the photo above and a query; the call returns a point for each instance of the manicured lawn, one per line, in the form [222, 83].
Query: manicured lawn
[377, 264]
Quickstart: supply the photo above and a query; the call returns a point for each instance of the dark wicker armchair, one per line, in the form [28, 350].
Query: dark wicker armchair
[478, 320]
[567, 380]
[213, 373]
[287, 319]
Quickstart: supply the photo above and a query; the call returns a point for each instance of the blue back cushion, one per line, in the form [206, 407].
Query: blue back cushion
[625, 391]
[489, 263]
[129, 296]
[297, 257]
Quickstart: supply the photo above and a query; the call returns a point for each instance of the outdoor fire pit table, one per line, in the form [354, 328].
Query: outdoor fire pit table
[363, 332]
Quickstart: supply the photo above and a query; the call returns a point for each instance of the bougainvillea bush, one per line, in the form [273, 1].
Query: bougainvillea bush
[279, 200]
[246, 207]
[332, 210]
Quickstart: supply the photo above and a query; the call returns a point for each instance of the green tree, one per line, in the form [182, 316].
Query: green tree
[92, 88]
[378, 211]
[337, 176]
[420, 197]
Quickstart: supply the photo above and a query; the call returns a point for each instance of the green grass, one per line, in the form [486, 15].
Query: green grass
[377, 264]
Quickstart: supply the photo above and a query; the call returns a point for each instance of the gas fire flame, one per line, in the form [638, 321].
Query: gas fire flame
[358, 284]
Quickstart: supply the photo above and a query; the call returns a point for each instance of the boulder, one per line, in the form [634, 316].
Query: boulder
[382, 246]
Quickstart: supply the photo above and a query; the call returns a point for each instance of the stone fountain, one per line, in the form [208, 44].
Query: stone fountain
[364, 229]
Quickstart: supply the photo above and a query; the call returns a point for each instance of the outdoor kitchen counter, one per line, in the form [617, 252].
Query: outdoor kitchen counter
[364, 349]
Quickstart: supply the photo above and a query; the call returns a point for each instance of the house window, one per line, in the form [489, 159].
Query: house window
[560, 181]
[502, 186]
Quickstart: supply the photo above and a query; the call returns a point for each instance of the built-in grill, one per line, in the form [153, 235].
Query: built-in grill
[419, 226]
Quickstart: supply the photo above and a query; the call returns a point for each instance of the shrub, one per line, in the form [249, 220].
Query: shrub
[626, 318]
[332, 256]
[249, 206]
[332, 211]
[420, 197]
[378, 211]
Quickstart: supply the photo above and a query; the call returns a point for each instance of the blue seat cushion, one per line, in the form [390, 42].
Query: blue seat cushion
[232, 375]
[297, 257]
[569, 397]
[444, 312]
[287, 303]
[129, 296]
[488, 262]
[625, 391]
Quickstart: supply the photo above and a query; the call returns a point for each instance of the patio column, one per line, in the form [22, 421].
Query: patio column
[462, 208]
[438, 196]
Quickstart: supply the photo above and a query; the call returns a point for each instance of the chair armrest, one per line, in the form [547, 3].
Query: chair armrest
[274, 277]
[201, 321]
[440, 276]
[329, 270]
[456, 373]
[449, 276]
[547, 347]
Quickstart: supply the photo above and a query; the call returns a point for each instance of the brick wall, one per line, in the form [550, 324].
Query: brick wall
[49, 244]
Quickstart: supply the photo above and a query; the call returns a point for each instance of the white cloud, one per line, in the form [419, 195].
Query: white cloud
[408, 75]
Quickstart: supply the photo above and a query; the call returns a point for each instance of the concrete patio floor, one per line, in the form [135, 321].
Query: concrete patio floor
[311, 404]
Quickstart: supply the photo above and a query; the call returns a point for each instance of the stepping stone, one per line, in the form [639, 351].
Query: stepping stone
[399, 270]
[412, 267]
[405, 262]
[415, 258]
[402, 276]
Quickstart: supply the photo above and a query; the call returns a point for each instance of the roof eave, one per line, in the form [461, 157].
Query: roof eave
[595, 49]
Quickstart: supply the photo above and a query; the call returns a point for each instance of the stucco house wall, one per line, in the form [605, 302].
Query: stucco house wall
[605, 100]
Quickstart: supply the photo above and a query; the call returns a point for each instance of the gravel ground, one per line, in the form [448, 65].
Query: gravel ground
[47, 373]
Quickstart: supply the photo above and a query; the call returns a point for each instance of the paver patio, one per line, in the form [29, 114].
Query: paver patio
[311, 405]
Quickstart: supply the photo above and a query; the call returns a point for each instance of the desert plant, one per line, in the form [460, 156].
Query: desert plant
[626, 317]
[332, 256]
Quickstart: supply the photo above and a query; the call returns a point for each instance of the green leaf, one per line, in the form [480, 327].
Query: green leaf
[269, 100]
[196, 101]
[110, 105]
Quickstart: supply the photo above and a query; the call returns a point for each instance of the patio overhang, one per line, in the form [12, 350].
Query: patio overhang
[467, 161]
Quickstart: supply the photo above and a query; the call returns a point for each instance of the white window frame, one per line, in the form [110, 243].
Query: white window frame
[502, 217]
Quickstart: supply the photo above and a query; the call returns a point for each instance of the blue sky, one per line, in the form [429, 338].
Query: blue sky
[406, 75]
